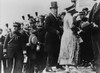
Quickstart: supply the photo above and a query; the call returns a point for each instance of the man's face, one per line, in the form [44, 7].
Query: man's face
[81, 16]
[0, 31]
[54, 11]
[86, 12]
[26, 26]
[16, 28]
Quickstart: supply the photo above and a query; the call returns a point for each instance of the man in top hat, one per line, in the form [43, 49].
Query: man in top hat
[94, 19]
[13, 45]
[52, 41]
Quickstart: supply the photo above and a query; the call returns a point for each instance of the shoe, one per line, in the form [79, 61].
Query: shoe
[94, 68]
[49, 69]
[60, 67]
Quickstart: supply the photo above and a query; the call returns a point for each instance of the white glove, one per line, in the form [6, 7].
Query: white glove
[4, 50]
[94, 25]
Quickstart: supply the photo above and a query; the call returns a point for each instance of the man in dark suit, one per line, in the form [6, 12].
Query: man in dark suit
[94, 19]
[1, 46]
[52, 40]
[13, 46]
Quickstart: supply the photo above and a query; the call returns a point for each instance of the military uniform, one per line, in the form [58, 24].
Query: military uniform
[13, 44]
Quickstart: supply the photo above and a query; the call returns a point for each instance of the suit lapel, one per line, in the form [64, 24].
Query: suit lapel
[97, 8]
[53, 17]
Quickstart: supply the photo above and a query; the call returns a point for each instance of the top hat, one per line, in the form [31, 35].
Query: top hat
[54, 5]
[17, 24]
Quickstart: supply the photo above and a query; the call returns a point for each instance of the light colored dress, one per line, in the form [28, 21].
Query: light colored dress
[68, 48]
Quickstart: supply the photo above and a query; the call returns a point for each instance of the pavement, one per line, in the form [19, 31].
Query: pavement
[72, 70]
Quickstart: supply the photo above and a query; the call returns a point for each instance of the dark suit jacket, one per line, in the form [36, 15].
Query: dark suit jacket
[52, 41]
[95, 17]
[1, 46]
[13, 44]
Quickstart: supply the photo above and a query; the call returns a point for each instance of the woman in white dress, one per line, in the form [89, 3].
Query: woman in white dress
[69, 46]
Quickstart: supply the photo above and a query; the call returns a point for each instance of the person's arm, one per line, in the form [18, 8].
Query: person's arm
[5, 45]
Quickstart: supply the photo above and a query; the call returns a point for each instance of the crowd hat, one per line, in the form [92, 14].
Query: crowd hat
[82, 13]
[85, 9]
[54, 5]
[17, 24]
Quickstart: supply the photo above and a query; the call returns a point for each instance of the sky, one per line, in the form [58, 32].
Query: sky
[12, 10]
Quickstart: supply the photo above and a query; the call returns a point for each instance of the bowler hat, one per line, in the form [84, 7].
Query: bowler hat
[17, 24]
[54, 5]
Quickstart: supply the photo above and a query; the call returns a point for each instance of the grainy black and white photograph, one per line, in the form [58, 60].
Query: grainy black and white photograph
[49, 36]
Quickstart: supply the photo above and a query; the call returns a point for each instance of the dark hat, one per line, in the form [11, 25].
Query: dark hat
[17, 24]
[81, 13]
[1, 29]
[70, 8]
[63, 13]
[54, 5]
[85, 9]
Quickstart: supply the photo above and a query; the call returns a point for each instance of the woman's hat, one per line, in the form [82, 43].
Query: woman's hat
[71, 8]
[54, 5]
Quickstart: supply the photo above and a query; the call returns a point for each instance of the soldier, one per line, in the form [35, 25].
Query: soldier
[13, 46]
[25, 33]
[41, 37]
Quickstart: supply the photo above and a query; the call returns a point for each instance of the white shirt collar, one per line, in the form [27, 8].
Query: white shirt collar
[54, 15]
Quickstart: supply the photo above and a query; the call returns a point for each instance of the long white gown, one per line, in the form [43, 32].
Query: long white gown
[68, 48]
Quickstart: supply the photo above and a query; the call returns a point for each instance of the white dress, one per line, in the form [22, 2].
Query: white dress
[68, 45]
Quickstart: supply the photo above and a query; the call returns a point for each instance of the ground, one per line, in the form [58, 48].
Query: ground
[74, 70]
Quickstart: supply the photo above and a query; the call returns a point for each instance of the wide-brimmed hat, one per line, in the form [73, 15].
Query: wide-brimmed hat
[16, 24]
[54, 5]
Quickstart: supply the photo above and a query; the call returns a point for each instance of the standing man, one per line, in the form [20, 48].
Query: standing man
[13, 46]
[52, 41]
[1, 46]
[94, 18]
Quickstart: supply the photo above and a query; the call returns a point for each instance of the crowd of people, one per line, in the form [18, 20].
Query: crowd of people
[71, 38]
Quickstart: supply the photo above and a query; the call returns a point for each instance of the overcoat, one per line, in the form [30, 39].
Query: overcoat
[1, 46]
[13, 43]
[52, 40]
[95, 31]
